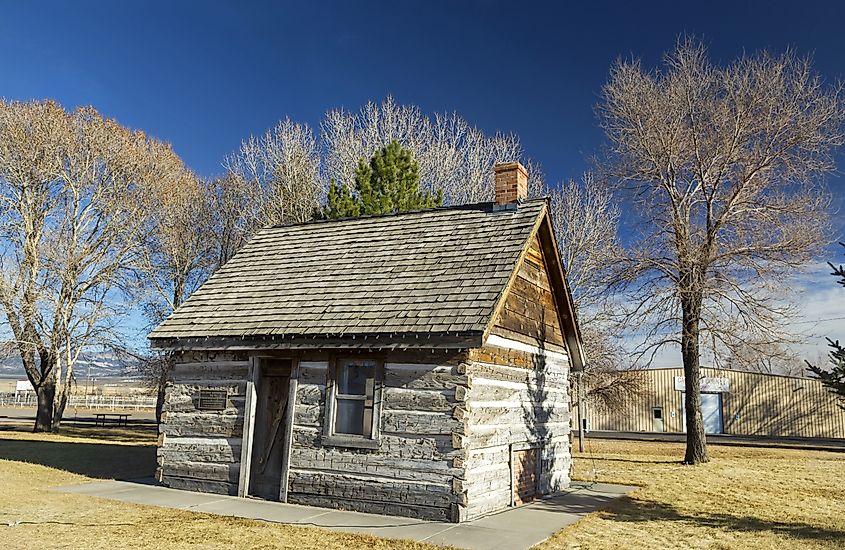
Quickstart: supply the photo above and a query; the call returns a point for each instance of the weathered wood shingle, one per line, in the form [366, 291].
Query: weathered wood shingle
[432, 271]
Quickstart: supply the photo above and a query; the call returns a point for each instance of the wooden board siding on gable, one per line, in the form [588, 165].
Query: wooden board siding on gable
[530, 314]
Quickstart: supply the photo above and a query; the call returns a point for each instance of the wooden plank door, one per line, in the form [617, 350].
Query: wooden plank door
[525, 476]
[268, 441]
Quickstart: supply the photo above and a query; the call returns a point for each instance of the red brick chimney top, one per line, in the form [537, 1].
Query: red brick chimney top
[511, 182]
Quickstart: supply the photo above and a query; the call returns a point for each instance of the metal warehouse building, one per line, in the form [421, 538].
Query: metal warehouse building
[733, 402]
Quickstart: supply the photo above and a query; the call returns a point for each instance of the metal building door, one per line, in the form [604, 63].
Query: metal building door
[657, 424]
[711, 411]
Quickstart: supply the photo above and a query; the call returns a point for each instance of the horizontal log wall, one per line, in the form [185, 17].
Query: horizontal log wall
[447, 425]
[200, 450]
[517, 394]
[412, 472]
[516, 397]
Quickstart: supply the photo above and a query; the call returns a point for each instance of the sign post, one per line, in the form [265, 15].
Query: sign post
[582, 411]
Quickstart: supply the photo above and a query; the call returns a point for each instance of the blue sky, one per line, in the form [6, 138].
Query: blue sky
[205, 75]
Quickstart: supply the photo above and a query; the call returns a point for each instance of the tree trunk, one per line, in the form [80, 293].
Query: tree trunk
[46, 392]
[696, 452]
[166, 366]
[160, 394]
[59, 408]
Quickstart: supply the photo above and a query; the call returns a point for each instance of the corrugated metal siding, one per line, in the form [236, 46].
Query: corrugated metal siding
[757, 404]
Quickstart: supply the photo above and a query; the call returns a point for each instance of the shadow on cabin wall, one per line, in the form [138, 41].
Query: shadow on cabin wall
[538, 412]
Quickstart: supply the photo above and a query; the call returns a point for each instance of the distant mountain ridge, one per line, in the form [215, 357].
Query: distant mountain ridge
[98, 365]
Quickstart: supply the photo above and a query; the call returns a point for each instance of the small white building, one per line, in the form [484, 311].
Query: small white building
[23, 387]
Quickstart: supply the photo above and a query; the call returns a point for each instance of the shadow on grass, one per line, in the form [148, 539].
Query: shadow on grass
[628, 509]
[575, 503]
[141, 434]
[633, 461]
[97, 460]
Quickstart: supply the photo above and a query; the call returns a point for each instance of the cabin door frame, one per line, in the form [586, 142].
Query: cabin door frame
[248, 436]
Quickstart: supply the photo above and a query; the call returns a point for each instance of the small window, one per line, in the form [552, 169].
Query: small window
[351, 414]
[355, 392]
[658, 413]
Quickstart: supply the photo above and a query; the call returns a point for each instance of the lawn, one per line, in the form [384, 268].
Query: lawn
[33, 516]
[745, 498]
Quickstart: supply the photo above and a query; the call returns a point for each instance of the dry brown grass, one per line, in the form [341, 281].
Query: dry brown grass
[744, 498]
[33, 516]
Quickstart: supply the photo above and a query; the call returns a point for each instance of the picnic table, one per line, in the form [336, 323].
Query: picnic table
[117, 419]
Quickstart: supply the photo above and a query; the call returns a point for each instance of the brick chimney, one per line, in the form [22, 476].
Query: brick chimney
[511, 183]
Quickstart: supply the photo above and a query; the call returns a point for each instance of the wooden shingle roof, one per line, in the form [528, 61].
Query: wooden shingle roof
[431, 271]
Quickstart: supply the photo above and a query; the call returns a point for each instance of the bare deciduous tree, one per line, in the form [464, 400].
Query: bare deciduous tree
[586, 222]
[281, 170]
[272, 179]
[177, 257]
[231, 201]
[177, 253]
[74, 195]
[724, 164]
[281, 177]
[348, 137]
[453, 155]
[776, 357]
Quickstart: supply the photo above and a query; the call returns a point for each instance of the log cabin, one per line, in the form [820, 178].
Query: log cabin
[413, 364]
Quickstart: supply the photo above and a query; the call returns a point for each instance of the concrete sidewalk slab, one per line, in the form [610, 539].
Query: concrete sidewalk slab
[513, 529]
[250, 508]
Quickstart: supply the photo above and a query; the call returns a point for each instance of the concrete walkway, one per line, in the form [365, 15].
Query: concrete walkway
[514, 529]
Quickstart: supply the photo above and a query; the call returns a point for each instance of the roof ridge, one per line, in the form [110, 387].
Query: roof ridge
[470, 206]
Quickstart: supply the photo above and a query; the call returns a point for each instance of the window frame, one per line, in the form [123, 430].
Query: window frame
[334, 439]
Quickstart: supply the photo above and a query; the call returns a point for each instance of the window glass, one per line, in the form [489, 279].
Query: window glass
[353, 377]
[350, 417]
[354, 397]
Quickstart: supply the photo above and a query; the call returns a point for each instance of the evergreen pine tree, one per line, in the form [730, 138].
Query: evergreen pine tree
[340, 203]
[834, 378]
[389, 183]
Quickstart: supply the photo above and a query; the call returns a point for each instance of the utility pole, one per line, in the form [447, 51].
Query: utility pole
[582, 411]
